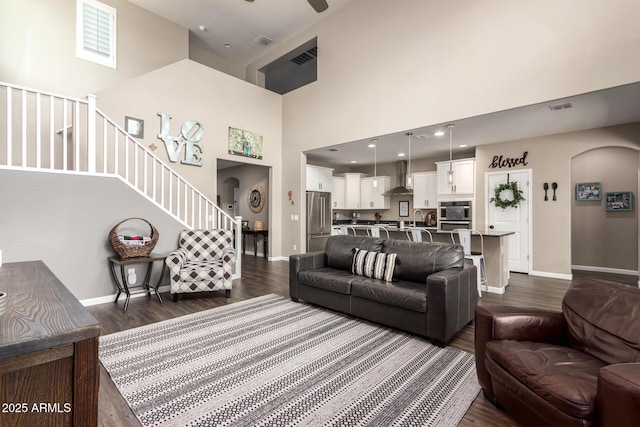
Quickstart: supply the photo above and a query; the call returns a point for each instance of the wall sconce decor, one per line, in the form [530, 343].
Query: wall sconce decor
[545, 186]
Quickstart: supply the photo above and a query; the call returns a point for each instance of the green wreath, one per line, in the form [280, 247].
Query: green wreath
[507, 203]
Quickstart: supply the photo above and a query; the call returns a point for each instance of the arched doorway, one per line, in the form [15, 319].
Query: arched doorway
[604, 240]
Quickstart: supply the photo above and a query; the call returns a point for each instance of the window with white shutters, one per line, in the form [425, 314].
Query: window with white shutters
[96, 32]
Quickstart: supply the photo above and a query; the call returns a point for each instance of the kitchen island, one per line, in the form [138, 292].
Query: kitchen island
[496, 250]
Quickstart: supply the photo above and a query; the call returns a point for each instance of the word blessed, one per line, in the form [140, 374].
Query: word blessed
[191, 133]
[508, 162]
[43, 407]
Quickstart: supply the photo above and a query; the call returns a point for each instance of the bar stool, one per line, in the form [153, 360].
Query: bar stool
[374, 230]
[415, 234]
[464, 238]
[344, 229]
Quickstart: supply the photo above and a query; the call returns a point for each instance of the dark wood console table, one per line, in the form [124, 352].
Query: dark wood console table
[255, 234]
[49, 369]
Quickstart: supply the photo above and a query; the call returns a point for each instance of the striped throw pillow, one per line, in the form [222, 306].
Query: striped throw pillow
[377, 265]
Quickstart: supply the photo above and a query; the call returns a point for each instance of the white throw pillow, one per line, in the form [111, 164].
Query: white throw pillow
[376, 265]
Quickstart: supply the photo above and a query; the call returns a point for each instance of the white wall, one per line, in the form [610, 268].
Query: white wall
[188, 90]
[65, 220]
[385, 67]
[38, 46]
[550, 159]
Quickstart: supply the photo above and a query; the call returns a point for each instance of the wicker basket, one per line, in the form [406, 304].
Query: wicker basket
[126, 251]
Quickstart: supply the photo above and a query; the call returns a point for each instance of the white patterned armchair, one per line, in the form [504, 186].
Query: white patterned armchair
[203, 262]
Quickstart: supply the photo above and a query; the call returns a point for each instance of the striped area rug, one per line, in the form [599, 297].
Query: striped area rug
[269, 361]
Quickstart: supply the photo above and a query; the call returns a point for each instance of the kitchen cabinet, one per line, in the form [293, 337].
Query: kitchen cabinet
[425, 190]
[464, 172]
[371, 198]
[319, 178]
[352, 190]
[337, 192]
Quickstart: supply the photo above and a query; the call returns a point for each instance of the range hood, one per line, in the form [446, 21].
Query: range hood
[401, 175]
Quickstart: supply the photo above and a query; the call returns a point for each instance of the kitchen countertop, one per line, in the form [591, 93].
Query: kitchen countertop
[396, 229]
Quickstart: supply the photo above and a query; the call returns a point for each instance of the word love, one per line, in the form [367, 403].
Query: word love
[191, 133]
[508, 162]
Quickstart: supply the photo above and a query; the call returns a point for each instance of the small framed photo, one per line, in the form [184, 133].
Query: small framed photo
[619, 201]
[134, 127]
[588, 191]
[404, 208]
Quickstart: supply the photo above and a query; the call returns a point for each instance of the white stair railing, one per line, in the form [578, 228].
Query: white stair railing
[70, 135]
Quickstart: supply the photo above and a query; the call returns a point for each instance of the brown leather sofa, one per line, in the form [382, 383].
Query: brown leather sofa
[433, 292]
[578, 367]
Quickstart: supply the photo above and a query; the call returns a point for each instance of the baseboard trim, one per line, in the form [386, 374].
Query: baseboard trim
[494, 289]
[605, 270]
[111, 298]
[552, 275]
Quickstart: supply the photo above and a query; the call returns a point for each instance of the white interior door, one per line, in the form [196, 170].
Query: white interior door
[511, 219]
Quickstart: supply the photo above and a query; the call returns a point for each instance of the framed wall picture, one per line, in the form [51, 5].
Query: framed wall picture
[619, 201]
[588, 191]
[404, 208]
[134, 127]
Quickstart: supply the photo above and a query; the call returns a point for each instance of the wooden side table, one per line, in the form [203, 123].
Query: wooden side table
[48, 351]
[255, 234]
[122, 284]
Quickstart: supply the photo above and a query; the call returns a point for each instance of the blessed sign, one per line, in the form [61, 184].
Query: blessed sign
[508, 162]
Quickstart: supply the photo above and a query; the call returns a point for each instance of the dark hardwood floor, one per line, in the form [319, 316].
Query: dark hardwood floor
[261, 277]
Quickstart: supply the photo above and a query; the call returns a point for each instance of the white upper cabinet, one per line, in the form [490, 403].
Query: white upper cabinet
[425, 190]
[319, 178]
[352, 190]
[337, 192]
[464, 172]
[371, 198]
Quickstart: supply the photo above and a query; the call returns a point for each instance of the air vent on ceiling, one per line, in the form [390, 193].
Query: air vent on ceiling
[306, 56]
[562, 106]
[263, 40]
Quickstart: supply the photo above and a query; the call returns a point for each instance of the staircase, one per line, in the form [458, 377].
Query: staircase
[54, 133]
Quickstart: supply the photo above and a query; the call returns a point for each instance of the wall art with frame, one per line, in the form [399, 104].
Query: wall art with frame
[589, 191]
[245, 143]
[404, 208]
[619, 201]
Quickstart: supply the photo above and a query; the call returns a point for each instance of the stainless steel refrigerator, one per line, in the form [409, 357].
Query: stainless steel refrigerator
[318, 220]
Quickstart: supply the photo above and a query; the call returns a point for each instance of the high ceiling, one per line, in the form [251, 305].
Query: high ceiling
[240, 22]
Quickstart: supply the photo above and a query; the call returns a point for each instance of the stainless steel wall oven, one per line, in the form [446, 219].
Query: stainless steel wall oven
[456, 214]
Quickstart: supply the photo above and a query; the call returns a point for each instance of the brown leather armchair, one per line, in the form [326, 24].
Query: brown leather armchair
[578, 367]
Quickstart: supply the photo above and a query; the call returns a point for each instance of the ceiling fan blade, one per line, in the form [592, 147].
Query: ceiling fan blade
[319, 5]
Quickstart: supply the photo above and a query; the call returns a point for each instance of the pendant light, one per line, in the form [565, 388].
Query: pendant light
[409, 178]
[375, 163]
[450, 171]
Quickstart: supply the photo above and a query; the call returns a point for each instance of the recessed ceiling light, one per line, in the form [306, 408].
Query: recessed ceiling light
[371, 145]
[227, 45]
[400, 154]
[462, 145]
[202, 28]
[353, 161]
[438, 133]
